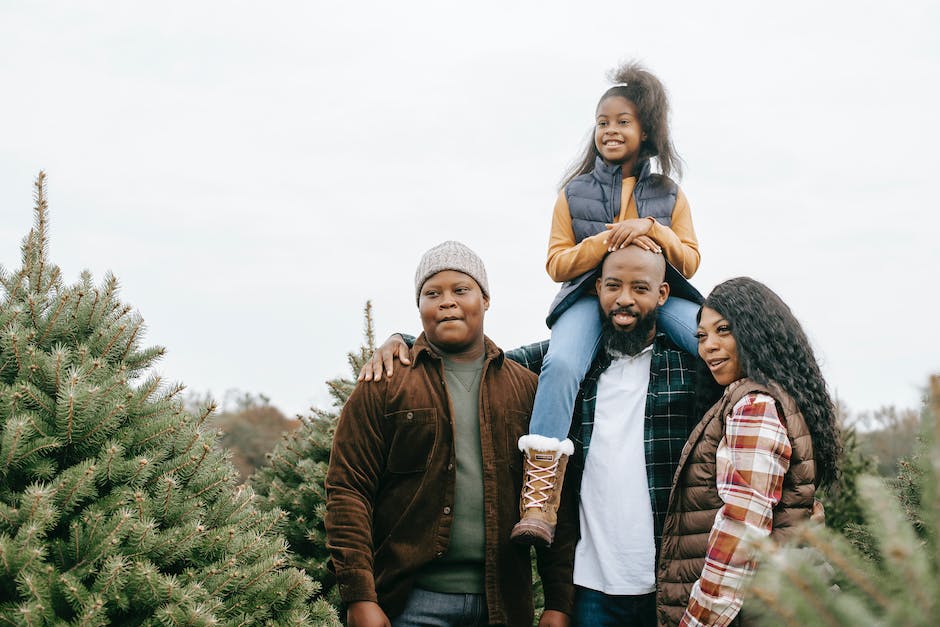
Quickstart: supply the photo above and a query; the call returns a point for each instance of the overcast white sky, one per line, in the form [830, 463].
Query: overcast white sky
[254, 172]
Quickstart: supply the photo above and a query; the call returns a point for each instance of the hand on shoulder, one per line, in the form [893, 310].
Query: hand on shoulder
[383, 359]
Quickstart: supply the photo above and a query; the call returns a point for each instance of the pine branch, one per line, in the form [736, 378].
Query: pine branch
[369, 330]
[41, 237]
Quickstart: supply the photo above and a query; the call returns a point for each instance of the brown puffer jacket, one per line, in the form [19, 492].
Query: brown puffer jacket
[694, 501]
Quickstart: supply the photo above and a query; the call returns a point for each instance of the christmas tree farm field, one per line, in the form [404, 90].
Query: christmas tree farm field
[116, 505]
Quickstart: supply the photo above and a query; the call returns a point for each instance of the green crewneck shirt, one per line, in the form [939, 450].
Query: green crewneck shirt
[460, 570]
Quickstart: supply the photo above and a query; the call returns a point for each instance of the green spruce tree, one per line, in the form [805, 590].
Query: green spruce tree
[889, 574]
[843, 505]
[843, 508]
[293, 480]
[115, 506]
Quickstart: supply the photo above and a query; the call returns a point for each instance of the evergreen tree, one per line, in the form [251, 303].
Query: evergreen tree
[115, 506]
[891, 576]
[843, 507]
[293, 480]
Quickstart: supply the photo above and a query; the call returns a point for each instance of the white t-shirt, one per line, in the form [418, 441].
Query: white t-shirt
[616, 554]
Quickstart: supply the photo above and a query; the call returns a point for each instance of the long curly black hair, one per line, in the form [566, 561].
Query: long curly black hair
[773, 348]
[646, 92]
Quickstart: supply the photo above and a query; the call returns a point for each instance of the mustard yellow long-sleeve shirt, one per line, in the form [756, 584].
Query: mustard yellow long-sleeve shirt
[568, 258]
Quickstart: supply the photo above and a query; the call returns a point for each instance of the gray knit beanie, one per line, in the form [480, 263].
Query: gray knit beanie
[450, 255]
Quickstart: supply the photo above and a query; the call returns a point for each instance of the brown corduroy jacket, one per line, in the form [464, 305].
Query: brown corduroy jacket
[695, 502]
[391, 481]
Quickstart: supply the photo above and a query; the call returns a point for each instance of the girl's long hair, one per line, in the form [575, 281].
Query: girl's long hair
[772, 348]
[635, 83]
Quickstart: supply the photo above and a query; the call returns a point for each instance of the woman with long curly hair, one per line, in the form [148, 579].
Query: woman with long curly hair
[753, 464]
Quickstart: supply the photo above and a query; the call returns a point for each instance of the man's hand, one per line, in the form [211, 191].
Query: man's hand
[366, 614]
[384, 357]
[554, 618]
[622, 234]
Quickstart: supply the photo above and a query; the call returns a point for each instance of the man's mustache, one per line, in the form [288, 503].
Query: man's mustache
[630, 311]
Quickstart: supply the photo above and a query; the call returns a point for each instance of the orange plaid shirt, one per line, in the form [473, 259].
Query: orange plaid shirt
[752, 459]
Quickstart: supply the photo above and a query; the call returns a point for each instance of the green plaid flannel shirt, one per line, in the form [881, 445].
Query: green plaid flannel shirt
[670, 407]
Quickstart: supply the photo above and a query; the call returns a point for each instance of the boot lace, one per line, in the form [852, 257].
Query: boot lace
[539, 481]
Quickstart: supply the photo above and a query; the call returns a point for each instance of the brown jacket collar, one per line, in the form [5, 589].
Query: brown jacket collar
[422, 349]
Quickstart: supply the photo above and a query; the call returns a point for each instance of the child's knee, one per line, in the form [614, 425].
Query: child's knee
[670, 320]
[566, 365]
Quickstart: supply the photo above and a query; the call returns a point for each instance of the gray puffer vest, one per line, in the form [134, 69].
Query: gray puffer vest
[594, 202]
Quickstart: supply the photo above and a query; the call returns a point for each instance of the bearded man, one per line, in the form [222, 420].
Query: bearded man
[634, 413]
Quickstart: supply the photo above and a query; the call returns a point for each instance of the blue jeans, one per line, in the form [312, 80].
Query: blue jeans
[441, 609]
[596, 609]
[677, 320]
[575, 337]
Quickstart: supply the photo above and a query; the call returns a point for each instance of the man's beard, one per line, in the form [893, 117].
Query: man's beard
[617, 343]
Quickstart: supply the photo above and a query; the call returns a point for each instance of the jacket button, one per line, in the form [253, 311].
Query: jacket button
[447, 509]
[440, 554]
[450, 466]
[410, 415]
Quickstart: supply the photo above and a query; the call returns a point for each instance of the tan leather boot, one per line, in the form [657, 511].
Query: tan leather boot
[543, 476]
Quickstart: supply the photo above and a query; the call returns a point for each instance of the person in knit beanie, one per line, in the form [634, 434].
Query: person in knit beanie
[423, 481]
[451, 255]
